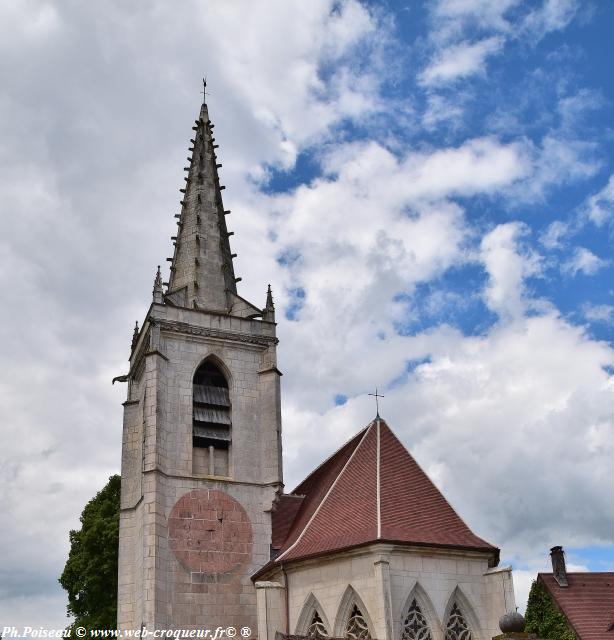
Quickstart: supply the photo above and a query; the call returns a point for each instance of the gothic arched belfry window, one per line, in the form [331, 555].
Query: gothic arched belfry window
[415, 626]
[457, 628]
[357, 628]
[317, 629]
[211, 426]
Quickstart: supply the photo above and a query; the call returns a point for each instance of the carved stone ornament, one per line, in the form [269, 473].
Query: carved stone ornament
[316, 628]
[457, 628]
[192, 330]
[415, 626]
[357, 628]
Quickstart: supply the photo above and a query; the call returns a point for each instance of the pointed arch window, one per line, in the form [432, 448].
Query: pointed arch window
[316, 628]
[415, 626]
[211, 426]
[357, 628]
[457, 627]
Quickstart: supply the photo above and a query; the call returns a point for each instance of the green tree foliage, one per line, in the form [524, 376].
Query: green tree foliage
[90, 574]
[543, 617]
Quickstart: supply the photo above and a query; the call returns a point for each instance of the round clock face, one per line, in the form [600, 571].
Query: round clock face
[209, 532]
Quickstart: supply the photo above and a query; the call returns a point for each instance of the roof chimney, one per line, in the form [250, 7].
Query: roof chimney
[557, 556]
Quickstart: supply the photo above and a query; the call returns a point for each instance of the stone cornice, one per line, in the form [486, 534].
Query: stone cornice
[375, 549]
[218, 313]
[185, 328]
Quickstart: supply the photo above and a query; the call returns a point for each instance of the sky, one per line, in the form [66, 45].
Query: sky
[427, 186]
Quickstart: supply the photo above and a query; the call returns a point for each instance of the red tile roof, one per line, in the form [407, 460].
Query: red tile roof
[369, 490]
[284, 512]
[588, 602]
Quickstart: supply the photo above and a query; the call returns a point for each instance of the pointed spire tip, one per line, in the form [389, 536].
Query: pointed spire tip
[135, 335]
[269, 299]
[158, 288]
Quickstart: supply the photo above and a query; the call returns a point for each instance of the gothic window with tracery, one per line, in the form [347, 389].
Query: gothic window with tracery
[457, 628]
[316, 628]
[357, 628]
[415, 626]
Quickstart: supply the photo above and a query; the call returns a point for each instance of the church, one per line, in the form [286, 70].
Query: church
[365, 548]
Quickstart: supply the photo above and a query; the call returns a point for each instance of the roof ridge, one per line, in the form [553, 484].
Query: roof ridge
[331, 456]
[330, 489]
[580, 573]
[378, 480]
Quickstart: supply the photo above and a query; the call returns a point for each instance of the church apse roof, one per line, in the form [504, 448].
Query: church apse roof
[370, 490]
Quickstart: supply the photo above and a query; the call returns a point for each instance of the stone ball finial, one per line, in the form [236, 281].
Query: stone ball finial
[511, 622]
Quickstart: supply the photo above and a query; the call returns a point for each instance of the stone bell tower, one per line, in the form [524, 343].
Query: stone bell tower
[201, 452]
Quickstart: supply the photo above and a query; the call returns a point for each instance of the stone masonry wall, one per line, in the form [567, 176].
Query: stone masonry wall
[190, 542]
[437, 577]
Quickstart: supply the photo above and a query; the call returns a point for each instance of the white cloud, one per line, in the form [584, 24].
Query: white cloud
[554, 235]
[460, 60]
[575, 108]
[455, 24]
[507, 269]
[441, 110]
[599, 208]
[523, 579]
[489, 11]
[318, 34]
[556, 159]
[552, 15]
[451, 17]
[599, 313]
[565, 152]
[585, 262]
[596, 209]
[372, 227]
[479, 165]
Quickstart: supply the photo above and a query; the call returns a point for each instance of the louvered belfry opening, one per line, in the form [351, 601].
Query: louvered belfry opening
[211, 434]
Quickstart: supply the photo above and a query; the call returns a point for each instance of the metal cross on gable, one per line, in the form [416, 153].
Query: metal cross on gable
[377, 396]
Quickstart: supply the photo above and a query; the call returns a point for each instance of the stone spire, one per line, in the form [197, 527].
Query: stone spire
[202, 274]
[135, 336]
[268, 313]
[158, 290]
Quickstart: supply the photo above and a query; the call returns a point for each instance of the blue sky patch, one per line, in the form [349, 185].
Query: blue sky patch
[297, 300]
